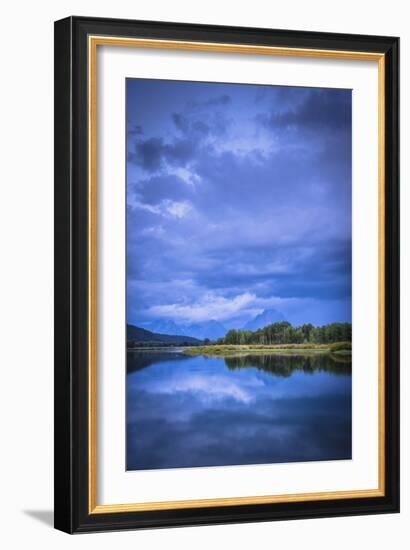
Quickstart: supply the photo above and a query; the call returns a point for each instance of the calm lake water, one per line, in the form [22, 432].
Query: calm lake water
[187, 412]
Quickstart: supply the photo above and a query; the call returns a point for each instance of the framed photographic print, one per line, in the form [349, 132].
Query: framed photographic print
[226, 274]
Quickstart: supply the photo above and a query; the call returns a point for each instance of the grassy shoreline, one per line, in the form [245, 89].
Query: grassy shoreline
[231, 349]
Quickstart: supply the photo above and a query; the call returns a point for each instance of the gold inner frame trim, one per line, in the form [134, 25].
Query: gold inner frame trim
[93, 42]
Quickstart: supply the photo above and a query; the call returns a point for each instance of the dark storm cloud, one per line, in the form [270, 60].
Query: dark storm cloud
[186, 126]
[319, 270]
[318, 109]
[181, 122]
[148, 153]
[220, 100]
[152, 152]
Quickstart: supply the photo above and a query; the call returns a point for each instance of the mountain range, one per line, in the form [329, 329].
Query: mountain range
[267, 317]
[140, 335]
[210, 329]
[207, 329]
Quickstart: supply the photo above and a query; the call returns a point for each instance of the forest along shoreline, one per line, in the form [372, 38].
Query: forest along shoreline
[281, 337]
[276, 338]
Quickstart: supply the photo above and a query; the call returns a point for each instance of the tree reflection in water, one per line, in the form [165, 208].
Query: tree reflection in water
[285, 365]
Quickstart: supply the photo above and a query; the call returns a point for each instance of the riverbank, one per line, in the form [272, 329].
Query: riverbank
[230, 349]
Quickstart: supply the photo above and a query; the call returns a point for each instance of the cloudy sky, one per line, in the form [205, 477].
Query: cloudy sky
[238, 200]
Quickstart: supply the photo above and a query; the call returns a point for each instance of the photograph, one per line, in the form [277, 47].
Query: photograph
[239, 274]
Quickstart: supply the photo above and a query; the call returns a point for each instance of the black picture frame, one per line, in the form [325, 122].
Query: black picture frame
[72, 511]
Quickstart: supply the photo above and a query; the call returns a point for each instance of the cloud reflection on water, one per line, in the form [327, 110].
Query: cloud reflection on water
[197, 412]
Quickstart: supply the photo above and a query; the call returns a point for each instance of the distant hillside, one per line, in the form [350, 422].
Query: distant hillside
[267, 317]
[143, 336]
[163, 326]
[205, 329]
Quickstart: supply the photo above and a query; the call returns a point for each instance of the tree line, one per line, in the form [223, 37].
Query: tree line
[284, 333]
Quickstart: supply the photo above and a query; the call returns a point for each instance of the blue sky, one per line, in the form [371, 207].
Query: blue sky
[238, 200]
